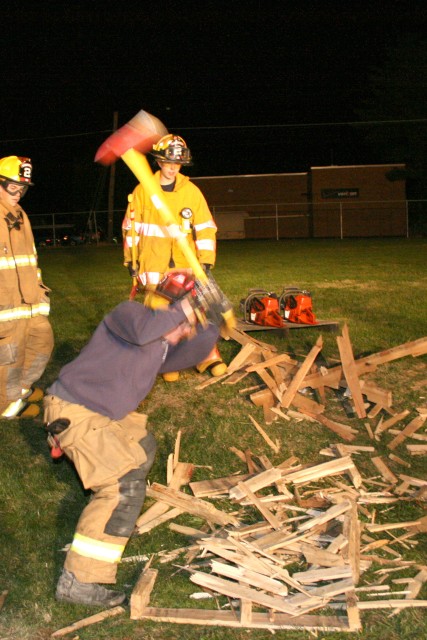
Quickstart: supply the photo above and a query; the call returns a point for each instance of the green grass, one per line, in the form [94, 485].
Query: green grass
[378, 287]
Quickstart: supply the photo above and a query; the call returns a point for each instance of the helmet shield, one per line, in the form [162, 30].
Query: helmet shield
[172, 149]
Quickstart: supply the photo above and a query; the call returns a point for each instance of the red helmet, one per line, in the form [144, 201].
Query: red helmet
[175, 285]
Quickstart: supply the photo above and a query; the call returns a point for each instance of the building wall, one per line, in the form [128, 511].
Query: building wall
[335, 201]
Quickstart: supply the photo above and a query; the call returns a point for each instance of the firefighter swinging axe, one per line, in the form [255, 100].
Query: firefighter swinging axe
[130, 143]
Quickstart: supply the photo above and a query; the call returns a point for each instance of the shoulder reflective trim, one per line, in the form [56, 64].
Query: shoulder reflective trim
[27, 311]
[209, 224]
[10, 262]
[205, 245]
[97, 550]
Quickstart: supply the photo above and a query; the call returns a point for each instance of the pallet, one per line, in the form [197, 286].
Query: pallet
[326, 325]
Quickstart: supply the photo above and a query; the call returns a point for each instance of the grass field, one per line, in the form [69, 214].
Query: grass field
[376, 286]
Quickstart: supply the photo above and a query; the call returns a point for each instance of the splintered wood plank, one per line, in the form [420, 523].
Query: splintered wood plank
[351, 531]
[259, 620]
[330, 514]
[155, 522]
[353, 614]
[388, 526]
[255, 483]
[319, 575]
[181, 475]
[410, 428]
[243, 338]
[415, 348]
[301, 373]
[263, 509]
[344, 450]
[252, 578]
[376, 394]
[232, 589]
[417, 449]
[270, 382]
[386, 424]
[342, 430]
[332, 467]
[275, 360]
[141, 593]
[390, 604]
[216, 487]
[192, 505]
[266, 437]
[384, 470]
[86, 622]
[321, 557]
[242, 357]
[350, 371]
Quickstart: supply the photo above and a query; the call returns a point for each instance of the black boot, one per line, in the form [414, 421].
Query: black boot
[69, 589]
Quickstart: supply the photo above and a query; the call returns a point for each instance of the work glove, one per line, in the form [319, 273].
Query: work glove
[133, 272]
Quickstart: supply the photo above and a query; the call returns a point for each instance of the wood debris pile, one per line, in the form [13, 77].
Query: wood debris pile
[291, 547]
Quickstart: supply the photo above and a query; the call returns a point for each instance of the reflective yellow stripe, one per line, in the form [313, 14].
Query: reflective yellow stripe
[9, 262]
[205, 245]
[209, 224]
[28, 311]
[91, 548]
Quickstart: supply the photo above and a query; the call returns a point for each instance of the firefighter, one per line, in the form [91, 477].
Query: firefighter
[157, 252]
[26, 334]
[90, 411]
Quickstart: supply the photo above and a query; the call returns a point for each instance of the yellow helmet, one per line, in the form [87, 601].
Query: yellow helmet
[17, 170]
[173, 149]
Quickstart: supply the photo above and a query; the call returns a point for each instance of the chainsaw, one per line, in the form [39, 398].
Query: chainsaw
[268, 309]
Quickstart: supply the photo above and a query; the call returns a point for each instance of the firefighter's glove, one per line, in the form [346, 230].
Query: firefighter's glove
[133, 271]
[211, 301]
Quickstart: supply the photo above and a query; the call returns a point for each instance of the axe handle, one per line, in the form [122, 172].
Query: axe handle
[139, 166]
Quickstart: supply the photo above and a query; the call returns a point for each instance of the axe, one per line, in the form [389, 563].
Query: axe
[130, 143]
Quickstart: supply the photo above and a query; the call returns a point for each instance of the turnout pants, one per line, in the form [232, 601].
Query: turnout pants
[112, 459]
[25, 349]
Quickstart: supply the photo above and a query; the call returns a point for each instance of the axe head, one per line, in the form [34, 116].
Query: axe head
[140, 133]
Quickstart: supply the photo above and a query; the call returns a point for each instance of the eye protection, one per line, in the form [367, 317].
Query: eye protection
[13, 189]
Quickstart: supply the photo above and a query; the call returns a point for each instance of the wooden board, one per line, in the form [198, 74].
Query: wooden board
[325, 325]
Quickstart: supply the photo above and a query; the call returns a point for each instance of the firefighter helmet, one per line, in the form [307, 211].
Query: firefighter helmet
[173, 149]
[17, 170]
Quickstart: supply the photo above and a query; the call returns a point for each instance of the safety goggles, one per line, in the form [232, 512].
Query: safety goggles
[13, 189]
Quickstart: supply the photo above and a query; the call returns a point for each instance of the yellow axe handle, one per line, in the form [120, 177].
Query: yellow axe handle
[139, 166]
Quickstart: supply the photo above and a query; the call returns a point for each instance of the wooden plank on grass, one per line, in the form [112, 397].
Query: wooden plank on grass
[386, 424]
[266, 437]
[181, 475]
[232, 589]
[141, 593]
[301, 373]
[350, 371]
[192, 505]
[255, 483]
[216, 487]
[259, 619]
[263, 509]
[410, 428]
[384, 470]
[86, 622]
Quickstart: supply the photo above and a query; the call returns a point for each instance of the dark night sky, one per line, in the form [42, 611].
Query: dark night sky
[249, 84]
